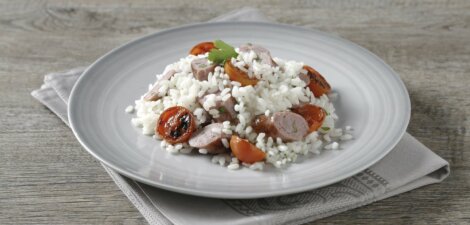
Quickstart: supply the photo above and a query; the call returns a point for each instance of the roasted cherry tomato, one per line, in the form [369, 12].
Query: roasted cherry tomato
[262, 124]
[175, 125]
[245, 151]
[202, 48]
[318, 84]
[237, 75]
[313, 114]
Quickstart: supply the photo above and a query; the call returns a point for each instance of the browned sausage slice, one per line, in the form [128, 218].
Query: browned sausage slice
[153, 94]
[263, 53]
[286, 125]
[201, 68]
[207, 138]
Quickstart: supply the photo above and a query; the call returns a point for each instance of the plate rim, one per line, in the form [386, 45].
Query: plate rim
[231, 195]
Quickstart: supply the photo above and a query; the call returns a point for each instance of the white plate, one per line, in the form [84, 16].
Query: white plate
[372, 99]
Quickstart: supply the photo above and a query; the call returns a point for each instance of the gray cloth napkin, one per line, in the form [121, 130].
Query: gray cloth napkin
[408, 166]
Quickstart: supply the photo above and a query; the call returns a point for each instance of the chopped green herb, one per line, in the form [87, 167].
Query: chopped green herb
[325, 128]
[221, 52]
[221, 109]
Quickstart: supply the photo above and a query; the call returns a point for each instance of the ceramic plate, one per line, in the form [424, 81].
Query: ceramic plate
[372, 99]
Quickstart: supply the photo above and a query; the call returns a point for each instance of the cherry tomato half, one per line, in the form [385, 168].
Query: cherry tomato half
[262, 124]
[313, 114]
[245, 151]
[175, 125]
[237, 75]
[318, 85]
[202, 48]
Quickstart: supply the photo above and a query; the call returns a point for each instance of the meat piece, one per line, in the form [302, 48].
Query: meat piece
[225, 108]
[286, 125]
[208, 118]
[153, 94]
[201, 68]
[290, 126]
[208, 138]
[263, 54]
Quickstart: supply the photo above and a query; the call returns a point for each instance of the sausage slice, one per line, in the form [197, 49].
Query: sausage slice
[290, 126]
[263, 53]
[153, 94]
[201, 68]
[286, 125]
[226, 108]
[207, 138]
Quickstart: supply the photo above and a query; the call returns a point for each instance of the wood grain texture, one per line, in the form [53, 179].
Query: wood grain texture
[47, 178]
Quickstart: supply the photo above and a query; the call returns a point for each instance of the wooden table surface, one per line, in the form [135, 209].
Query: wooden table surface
[47, 178]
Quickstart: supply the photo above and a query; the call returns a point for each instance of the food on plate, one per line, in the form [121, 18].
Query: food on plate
[238, 75]
[287, 125]
[313, 115]
[241, 105]
[153, 94]
[245, 151]
[175, 125]
[317, 84]
[201, 68]
[210, 138]
[202, 48]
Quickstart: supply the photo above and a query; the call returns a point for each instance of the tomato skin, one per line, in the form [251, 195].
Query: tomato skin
[318, 84]
[175, 125]
[263, 124]
[202, 48]
[245, 151]
[313, 114]
[237, 75]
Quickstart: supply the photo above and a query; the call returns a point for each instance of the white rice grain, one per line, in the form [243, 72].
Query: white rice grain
[233, 166]
[257, 166]
[129, 109]
[203, 151]
[222, 161]
[282, 148]
[334, 145]
[234, 160]
[346, 137]
[225, 142]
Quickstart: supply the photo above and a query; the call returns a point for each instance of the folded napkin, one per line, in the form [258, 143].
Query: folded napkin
[408, 166]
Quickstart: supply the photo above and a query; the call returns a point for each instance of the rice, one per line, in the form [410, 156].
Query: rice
[203, 151]
[129, 109]
[233, 166]
[346, 137]
[333, 146]
[279, 88]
